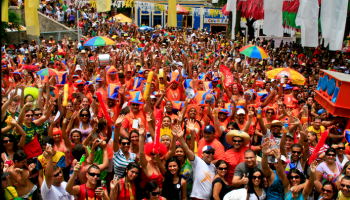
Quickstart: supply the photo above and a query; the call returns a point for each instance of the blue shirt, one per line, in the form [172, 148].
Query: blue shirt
[276, 190]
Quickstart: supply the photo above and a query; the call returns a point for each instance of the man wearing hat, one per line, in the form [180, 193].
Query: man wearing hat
[239, 140]
[210, 140]
[203, 169]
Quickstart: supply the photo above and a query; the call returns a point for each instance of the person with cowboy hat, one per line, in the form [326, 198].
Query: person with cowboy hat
[238, 139]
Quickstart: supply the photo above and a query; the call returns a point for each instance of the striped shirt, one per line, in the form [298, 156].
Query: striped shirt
[322, 150]
[120, 162]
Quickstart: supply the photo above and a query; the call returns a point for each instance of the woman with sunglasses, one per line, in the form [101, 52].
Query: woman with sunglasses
[220, 185]
[174, 186]
[328, 191]
[342, 158]
[256, 186]
[8, 149]
[152, 191]
[85, 125]
[121, 147]
[328, 170]
[295, 178]
[128, 186]
[344, 172]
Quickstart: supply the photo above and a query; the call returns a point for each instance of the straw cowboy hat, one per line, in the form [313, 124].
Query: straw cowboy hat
[237, 133]
[274, 123]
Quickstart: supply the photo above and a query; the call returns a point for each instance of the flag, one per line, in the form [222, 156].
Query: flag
[31, 19]
[228, 75]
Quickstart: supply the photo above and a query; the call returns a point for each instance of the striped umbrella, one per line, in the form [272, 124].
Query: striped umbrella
[99, 41]
[47, 72]
[253, 51]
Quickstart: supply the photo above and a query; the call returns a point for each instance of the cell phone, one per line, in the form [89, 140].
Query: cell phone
[98, 183]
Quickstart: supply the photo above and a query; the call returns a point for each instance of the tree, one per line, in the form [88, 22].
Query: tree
[15, 22]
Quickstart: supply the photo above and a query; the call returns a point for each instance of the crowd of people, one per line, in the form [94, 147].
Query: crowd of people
[100, 137]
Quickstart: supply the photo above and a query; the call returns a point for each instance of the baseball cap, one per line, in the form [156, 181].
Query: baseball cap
[209, 128]
[283, 158]
[3, 175]
[321, 111]
[77, 68]
[240, 111]
[207, 148]
[295, 88]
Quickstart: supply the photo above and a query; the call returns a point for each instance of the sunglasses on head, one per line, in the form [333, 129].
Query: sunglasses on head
[6, 141]
[326, 190]
[296, 152]
[57, 174]
[94, 174]
[222, 168]
[257, 177]
[84, 115]
[237, 141]
[210, 152]
[155, 193]
[125, 143]
[295, 177]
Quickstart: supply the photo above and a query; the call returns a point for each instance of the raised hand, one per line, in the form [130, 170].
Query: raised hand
[266, 146]
[191, 125]
[277, 154]
[250, 114]
[180, 116]
[48, 152]
[313, 167]
[119, 120]
[178, 130]
[31, 167]
[244, 180]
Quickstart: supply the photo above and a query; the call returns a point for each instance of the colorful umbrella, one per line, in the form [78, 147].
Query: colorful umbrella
[293, 75]
[146, 28]
[99, 41]
[47, 72]
[253, 51]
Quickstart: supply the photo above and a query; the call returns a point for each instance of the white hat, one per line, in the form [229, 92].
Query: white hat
[282, 158]
[153, 97]
[77, 68]
[238, 60]
[240, 111]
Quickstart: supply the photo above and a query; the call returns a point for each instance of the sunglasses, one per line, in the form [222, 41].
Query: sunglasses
[344, 186]
[210, 153]
[86, 115]
[341, 148]
[331, 155]
[295, 177]
[155, 193]
[38, 114]
[326, 191]
[269, 113]
[296, 152]
[257, 177]
[57, 174]
[222, 168]
[237, 141]
[125, 143]
[29, 115]
[94, 174]
[6, 141]
[135, 105]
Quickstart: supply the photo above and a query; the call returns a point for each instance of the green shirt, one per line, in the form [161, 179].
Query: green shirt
[64, 7]
[30, 131]
[187, 173]
[98, 159]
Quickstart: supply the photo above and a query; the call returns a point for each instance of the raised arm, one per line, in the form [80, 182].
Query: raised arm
[117, 126]
[309, 187]
[265, 166]
[217, 127]
[49, 167]
[249, 122]
[180, 133]
[142, 155]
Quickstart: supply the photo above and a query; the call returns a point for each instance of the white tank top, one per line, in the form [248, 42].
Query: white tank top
[345, 160]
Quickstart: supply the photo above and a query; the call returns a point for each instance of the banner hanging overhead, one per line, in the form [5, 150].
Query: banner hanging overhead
[4, 11]
[308, 16]
[333, 20]
[172, 16]
[273, 17]
[31, 17]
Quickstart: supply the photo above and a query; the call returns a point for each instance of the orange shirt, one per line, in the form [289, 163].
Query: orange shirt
[233, 158]
[173, 95]
[129, 120]
[216, 144]
[251, 128]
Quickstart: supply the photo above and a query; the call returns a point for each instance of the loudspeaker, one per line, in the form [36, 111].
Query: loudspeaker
[333, 92]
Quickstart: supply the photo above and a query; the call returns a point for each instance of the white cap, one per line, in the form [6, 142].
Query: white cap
[153, 97]
[240, 111]
[238, 60]
[282, 158]
[77, 68]
[272, 79]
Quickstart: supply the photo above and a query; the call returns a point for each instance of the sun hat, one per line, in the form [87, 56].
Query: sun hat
[274, 123]
[237, 133]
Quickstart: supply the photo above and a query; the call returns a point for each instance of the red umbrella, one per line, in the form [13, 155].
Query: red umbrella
[181, 10]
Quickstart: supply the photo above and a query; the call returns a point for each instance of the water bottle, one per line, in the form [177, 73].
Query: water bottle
[286, 126]
[259, 113]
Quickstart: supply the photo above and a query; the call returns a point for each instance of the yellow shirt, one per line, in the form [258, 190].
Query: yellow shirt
[318, 132]
[10, 193]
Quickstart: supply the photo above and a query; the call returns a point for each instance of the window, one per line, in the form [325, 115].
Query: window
[145, 20]
[189, 21]
[157, 20]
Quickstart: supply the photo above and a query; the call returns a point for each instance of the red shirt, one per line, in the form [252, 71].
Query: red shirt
[233, 158]
[90, 193]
